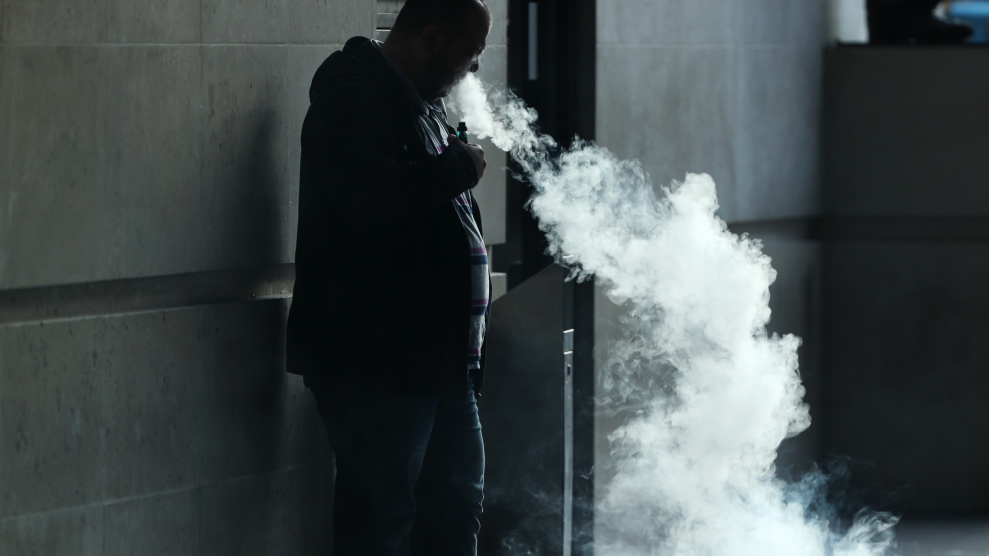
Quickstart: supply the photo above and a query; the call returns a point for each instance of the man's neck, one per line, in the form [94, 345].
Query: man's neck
[399, 53]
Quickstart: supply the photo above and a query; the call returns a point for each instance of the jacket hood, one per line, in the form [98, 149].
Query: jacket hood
[362, 57]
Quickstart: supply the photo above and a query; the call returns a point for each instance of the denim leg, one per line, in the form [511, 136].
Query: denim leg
[450, 488]
[379, 440]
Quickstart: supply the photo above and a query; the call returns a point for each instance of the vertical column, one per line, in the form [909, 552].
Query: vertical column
[568, 442]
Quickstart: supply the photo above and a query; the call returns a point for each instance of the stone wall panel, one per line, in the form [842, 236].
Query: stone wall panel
[666, 22]
[777, 133]
[321, 22]
[673, 110]
[160, 524]
[245, 21]
[263, 514]
[71, 532]
[51, 416]
[781, 22]
[153, 21]
[54, 21]
[258, 418]
[141, 140]
[53, 210]
[246, 182]
[154, 122]
[155, 407]
[149, 402]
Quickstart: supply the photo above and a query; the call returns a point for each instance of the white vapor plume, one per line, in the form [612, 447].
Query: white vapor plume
[713, 394]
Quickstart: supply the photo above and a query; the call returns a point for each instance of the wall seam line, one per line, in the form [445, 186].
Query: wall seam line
[62, 303]
[179, 490]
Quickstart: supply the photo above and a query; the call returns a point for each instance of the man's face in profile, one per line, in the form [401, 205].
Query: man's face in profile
[455, 57]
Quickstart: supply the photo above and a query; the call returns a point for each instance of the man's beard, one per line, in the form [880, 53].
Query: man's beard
[438, 81]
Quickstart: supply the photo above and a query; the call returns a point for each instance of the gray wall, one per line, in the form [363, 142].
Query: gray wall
[730, 88]
[148, 186]
[726, 87]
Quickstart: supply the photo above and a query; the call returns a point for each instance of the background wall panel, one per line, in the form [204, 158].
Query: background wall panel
[245, 22]
[153, 120]
[76, 531]
[53, 194]
[670, 22]
[169, 521]
[58, 21]
[154, 404]
[52, 416]
[322, 22]
[670, 108]
[149, 164]
[737, 96]
[248, 190]
[103, 411]
[777, 133]
[153, 21]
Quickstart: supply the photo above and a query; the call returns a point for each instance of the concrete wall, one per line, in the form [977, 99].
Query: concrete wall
[148, 172]
[848, 21]
[730, 88]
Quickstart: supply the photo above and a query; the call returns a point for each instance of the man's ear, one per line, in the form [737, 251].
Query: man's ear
[432, 39]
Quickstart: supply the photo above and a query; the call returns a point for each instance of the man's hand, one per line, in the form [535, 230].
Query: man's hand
[476, 154]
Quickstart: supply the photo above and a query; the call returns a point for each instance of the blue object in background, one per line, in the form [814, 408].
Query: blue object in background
[975, 12]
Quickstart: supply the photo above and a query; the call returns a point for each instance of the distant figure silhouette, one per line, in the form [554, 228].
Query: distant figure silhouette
[912, 21]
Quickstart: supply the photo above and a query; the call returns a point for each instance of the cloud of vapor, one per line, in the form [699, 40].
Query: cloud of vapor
[713, 395]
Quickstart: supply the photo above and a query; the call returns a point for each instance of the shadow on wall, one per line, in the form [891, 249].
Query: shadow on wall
[244, 222]
[245, 200]
[261, 228]
[273, 484]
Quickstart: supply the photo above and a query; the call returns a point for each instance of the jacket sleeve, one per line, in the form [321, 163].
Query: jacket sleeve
[359, 169]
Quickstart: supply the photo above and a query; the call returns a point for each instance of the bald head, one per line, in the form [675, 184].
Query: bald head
[453, 16]
[437, 42]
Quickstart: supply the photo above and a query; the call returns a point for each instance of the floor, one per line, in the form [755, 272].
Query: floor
[943, 538]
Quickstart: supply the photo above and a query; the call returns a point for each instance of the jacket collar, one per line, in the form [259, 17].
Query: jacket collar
[370, 51]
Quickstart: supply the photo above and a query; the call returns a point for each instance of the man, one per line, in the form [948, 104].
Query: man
[903, 21]
[390, 303]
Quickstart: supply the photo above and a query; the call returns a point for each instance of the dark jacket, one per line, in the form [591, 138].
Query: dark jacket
[382, 289]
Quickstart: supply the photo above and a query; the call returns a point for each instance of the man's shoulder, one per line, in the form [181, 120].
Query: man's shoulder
[341, 73]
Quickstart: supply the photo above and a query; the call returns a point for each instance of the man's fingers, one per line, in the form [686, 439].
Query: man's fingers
[475, 152]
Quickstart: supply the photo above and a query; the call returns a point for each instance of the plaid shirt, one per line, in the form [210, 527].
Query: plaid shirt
[434, 123]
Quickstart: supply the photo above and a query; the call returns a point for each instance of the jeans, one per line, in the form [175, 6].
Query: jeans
[408, 466]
